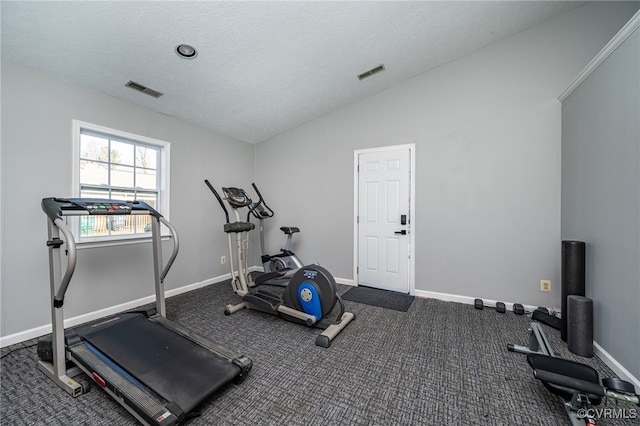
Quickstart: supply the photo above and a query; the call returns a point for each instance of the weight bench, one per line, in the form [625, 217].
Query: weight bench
[579, 386]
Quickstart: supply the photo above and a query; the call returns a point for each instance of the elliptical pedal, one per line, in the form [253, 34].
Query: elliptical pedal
[263, 300]
[267, 276]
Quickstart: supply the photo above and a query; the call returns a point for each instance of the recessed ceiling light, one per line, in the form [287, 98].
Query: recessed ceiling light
[185, 51]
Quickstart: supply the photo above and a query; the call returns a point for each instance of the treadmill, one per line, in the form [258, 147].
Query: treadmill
[156, 369]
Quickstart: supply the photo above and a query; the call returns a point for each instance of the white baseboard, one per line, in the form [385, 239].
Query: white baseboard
[33, 333]
[617, 368]
[345, 281]
[467, 300]
[91, 316]
[36, 332]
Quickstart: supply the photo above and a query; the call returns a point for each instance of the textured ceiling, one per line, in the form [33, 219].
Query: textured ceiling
[263, 67]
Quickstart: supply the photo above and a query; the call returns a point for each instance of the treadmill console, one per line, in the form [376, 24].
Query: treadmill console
[56, 207]
[112, 207]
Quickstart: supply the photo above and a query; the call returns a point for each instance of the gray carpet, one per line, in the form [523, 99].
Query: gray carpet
[381, 298]
[438, 363]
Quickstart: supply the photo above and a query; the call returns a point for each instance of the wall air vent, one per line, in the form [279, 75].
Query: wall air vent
[371, 72]
[144, 89]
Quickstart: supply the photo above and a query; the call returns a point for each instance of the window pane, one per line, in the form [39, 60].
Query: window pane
[150, 198]
[93, 226]
[146, 157]
[144, 222]
[123, 195]
[126, 224]
[121, 153]
[94, 193]
[118, 167]
[93, 173]
[146, 178]
[122, 176]
[94, 148]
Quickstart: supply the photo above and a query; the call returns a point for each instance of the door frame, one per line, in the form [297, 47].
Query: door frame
[412, 210]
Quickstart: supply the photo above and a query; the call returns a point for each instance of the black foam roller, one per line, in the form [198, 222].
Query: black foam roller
[573, 276]
[580, 325]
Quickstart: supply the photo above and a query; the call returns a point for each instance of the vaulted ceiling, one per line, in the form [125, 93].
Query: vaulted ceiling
[262, 68]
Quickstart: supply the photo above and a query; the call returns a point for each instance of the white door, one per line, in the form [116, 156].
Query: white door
[384, 218]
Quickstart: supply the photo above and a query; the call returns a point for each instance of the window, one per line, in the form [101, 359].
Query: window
[117, 165]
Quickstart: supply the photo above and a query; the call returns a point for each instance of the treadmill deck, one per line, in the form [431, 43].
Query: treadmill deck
[176, 368]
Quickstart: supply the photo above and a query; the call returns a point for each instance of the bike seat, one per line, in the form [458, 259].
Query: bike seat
[289, 229]
[569, 369]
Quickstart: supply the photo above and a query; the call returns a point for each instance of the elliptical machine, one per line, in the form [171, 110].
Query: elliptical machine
[310, 295]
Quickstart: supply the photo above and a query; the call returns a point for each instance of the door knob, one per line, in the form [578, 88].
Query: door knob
[403, 232]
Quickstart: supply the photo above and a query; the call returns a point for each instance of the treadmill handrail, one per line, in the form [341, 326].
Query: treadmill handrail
[176, 247]
[55, 208]
[58, 299]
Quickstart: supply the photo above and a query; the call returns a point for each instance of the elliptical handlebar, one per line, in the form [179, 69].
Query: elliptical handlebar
[255, 210]
[226, 212]
[259, 209]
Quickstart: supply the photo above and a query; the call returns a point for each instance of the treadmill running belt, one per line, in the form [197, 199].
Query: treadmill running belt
[176, 368]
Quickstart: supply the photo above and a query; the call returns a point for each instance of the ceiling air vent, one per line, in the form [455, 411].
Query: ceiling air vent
[144, 89]
[371, 72]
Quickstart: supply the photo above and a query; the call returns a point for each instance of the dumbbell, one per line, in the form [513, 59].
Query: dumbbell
[518, 309]
[500, 307]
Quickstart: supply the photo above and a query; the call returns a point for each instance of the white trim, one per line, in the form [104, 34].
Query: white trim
[468, 300]
[120, 241]
[614, 365]
[346, 281]
[33, 333]
[604, 356]
[91, 316]
[613, 44]
[412, 211]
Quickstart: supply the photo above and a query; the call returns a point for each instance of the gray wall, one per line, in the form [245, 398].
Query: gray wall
[487, 135]
[487, 130]
[601, 195]
[36, 162]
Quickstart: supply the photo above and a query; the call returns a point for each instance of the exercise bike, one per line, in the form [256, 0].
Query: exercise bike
[285, 260]
[310, 295]
[580, 388]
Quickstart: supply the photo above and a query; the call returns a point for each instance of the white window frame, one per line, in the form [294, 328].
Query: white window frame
[163, 190]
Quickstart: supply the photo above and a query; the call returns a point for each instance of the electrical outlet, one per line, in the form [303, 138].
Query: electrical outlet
[223, 260]
[545, 285]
